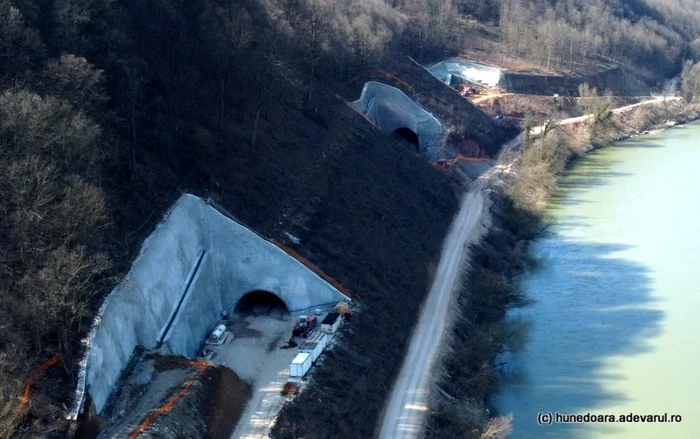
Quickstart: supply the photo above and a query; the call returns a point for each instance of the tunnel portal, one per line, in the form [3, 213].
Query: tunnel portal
[407, 136]
[260, 302]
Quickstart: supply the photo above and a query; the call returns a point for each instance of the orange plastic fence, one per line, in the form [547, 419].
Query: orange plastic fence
[385, 73]
[358, 112]
[451, 163]
[396, 78]
[316, 269]
[351, 80]
[201, 365]
[27, 387]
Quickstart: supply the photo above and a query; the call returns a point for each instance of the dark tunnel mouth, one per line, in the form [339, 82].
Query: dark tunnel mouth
[407, 135]
[260, 302]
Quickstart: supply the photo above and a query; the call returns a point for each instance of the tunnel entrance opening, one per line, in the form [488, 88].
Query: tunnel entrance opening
[260, 302]
[407, 137]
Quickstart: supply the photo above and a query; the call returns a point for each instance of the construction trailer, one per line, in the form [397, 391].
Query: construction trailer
[314, 345]
[331, 323]
[300, 365]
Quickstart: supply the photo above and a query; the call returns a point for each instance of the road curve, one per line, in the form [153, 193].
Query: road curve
[405, 412]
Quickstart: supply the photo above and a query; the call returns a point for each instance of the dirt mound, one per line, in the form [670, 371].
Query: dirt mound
[171, 397]
[210, 409]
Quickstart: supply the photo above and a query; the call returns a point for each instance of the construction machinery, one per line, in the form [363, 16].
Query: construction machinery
[467, 90]
[304, 325]
[302, 328]
[343, 308]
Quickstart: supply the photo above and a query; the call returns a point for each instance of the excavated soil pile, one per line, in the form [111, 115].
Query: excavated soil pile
[210, 409]
[172, 397]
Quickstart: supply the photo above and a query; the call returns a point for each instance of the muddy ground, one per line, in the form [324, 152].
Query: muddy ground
[243, 379]
[258, 353]
[209, 410]
[173, 398]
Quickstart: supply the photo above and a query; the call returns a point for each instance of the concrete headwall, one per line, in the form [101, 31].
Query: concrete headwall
[195, 265]
[468, 71]
[390, 109]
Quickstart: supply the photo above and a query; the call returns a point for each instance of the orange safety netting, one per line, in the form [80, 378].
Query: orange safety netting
[385, 73]
[358, 112]
[201, 365]
[447, 165]
[396, 78]
[316, 269]
[351, 80]
[27, 388]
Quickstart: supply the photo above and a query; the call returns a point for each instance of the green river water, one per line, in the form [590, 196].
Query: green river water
[615, 327]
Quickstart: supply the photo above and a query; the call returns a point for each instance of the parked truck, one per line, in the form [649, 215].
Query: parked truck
[331, 323]
[343, 308]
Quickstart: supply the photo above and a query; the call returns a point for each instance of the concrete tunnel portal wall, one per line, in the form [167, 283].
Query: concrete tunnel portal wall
[197, 264]
[397, 114]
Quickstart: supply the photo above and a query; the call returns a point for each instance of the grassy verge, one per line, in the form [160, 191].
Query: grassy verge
[481, 333]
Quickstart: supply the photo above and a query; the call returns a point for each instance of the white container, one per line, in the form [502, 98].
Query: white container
[300, 365]
[217, 333]
[314, 345]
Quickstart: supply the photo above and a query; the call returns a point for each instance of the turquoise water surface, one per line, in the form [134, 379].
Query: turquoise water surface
[615, 327]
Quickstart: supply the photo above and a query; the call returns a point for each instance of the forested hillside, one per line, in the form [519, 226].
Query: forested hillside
[110, 108]
[653, 36]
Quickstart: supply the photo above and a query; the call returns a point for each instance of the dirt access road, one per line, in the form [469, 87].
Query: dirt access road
[537, 130]
[255, 355]
[405, 412]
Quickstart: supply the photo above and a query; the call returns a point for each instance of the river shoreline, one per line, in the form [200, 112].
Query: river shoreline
[480, 334]
[614, 297]
[678, 117]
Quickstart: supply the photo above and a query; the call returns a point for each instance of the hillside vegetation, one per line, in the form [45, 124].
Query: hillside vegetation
[653, 36]
[110, 108]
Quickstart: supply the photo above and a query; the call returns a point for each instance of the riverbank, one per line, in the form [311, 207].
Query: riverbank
[458, 407]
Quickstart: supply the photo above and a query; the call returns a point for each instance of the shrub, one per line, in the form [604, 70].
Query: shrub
[691, 82]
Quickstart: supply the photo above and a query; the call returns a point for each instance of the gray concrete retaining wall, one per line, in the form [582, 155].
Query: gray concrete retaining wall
[235, 262]
[390, 109]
